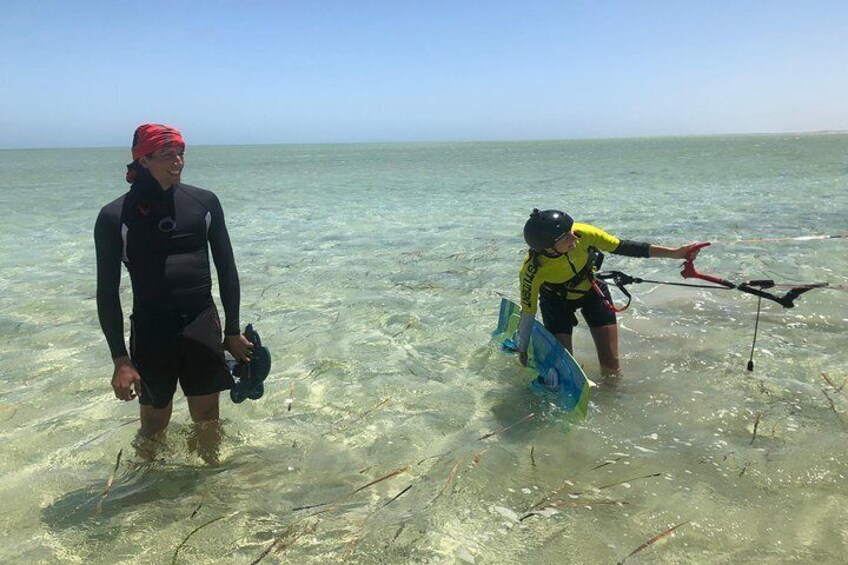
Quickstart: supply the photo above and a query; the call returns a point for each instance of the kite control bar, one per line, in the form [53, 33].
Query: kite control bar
[755, 287]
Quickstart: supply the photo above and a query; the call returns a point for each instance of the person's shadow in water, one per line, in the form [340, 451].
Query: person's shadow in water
[134, 483]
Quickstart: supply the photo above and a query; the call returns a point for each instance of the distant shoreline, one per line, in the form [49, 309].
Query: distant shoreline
[456, 141]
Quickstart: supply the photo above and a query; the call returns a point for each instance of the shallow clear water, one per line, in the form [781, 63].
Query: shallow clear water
[374, 273]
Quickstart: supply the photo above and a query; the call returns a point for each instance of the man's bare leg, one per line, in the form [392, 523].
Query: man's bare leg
[154, 421]
[206, 436]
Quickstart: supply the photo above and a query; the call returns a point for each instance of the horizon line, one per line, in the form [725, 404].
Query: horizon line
[459, 141]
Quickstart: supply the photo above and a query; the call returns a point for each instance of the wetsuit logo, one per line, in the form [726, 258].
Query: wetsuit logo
[527, 283]
[167, 224]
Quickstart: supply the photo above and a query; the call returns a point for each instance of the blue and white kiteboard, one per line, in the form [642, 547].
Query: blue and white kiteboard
[558, 372]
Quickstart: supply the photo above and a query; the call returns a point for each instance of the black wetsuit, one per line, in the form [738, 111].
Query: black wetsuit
[163, 237]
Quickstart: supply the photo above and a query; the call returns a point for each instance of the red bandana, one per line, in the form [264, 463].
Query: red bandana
[152, 137]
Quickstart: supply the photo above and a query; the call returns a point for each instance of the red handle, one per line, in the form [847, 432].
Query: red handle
[690, 256]
[690, 272]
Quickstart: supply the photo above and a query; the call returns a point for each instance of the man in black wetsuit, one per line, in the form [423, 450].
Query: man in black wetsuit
[162, 231]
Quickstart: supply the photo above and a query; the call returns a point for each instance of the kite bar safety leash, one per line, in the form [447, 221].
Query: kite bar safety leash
[781, 239]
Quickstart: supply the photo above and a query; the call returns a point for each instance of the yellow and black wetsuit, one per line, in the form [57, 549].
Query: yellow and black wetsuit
[562, 284]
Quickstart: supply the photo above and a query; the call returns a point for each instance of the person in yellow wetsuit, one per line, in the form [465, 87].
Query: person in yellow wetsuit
[557, 274]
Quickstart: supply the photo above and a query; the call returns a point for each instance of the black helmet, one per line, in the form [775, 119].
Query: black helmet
[543, 229]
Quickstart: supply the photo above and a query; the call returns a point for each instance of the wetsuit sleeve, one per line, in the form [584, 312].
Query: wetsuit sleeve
[525, 328]
[107, 244]
[596, 237]
[630, 248]
[225, 265]
[530, 282]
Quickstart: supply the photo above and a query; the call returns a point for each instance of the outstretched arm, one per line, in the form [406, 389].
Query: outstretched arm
[632, 248]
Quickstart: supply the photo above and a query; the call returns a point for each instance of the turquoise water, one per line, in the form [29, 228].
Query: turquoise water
[374, 273]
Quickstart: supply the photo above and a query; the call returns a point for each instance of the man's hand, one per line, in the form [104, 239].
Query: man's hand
[522, 358]
[239, 347]
[126, 381]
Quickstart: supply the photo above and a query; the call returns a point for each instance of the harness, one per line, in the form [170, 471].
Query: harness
[591, 271]
[592, 265]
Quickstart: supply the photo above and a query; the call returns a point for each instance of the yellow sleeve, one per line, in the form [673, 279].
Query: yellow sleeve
[529, 282]
[596, 237]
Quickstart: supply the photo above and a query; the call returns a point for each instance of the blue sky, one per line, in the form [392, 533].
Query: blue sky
[86, 73]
